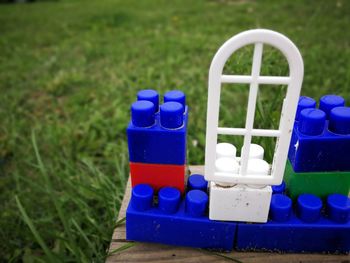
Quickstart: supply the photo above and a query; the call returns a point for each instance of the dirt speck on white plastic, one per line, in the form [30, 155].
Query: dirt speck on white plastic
[258, 38]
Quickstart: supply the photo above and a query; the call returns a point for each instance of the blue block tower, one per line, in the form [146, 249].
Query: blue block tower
[157, 139]
[321, 137]
[158, 134]
[319, 152]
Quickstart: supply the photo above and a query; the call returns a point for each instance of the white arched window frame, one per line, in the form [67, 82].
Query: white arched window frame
[258, 38]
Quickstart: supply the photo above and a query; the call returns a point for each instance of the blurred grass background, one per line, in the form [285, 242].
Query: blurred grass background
[69, 71]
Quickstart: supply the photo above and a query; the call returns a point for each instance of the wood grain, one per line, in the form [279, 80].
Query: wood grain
[148, 252]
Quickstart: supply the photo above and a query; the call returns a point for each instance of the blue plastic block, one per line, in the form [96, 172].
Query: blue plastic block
[309, 208]
[280, 208]
[339, 208]
[150, 95]
[175, 96]
[159, 138]
[142, 113]
[340, 120]
[328, 102]
[306, 230]
[169, 199]
[311, 122]
[197, 181]
[143, 197]
[304, 103]
[279, 189]
[176, 222]
[171, 115]
[319, 144]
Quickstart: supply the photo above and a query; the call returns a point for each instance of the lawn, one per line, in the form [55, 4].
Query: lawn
[68, 73]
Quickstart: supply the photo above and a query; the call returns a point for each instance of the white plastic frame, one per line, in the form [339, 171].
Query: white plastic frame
[258, 37]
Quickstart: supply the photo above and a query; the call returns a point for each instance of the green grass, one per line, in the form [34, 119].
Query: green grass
[69, 71]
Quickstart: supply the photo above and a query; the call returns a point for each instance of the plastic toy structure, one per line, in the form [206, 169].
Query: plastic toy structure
[319, 162]
[306, 229]
[174, 221]
[242, 202]
[157, 139]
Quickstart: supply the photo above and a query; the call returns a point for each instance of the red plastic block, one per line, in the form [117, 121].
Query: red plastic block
[158, 175]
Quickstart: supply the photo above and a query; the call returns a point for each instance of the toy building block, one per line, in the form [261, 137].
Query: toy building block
[242, 190]
[321, 137]
[149, 95]
[197, 182]
[158, 175]
[279, 189]
[239, 202]
[158, 137]
[304, 103]
[328, 102]
[176, 222]
[320, 184]
[245, 189]
[307, 229]
[176, 96]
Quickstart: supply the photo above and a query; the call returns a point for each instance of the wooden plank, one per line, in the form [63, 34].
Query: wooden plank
[120, 232]
[148, 252]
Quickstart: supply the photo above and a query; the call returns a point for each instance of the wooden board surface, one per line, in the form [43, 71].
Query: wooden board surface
[148, 252]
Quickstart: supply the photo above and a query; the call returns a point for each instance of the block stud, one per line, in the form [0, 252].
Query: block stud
[338, 208]
[142, 113]
[279, 189]
[176, 96]
[150, 95]
[339, 120]
[328, 102]
[196, 203]
[142, 197]
[256, 151]
[169, 199]
[226, 164]
[280, 208]
[311, 122]
[171, 115]
[309, 207]
[304, 103]
[197, 182]
[257, 167]
[225, 150]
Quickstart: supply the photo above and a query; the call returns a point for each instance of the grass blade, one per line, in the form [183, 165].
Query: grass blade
[122, 248]
[120, 221]
[84, 236]
[72, 245]
[35, 232]
[222, 256]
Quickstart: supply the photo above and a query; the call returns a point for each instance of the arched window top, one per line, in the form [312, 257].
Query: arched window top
[258, 38]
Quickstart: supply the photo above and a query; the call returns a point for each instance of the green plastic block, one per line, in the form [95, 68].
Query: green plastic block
[318, 183]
